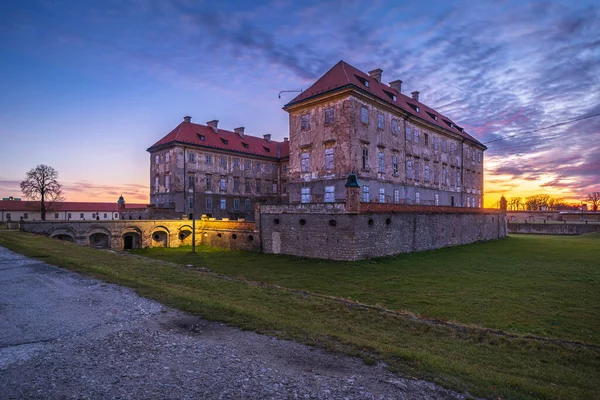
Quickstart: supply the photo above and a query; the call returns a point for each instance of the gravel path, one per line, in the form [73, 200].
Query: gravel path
[64, 336]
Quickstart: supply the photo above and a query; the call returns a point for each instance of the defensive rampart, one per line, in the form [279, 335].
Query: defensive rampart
[327, 231]
[553, 229]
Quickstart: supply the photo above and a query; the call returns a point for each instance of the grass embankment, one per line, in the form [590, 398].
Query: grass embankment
[444, 284]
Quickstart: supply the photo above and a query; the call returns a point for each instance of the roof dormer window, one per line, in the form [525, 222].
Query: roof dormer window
[414, 107]
[433, 116]
[201, 137]
[245, 144]
[268, 150]
[225, 141]
[362, 80]
[390, 95]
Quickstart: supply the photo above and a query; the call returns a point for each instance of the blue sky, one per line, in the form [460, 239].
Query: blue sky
[87, 86]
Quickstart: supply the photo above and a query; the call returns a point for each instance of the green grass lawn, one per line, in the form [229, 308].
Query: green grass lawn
[541, 285]
[532, 278]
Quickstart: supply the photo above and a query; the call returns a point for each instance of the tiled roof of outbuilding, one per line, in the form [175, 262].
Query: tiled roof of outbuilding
[203, 135]
[343, 74]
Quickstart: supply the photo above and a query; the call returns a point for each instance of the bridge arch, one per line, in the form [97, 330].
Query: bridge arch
[99, 238]
[160, 236]
[184, 234]
[63, 233]
[132, 237]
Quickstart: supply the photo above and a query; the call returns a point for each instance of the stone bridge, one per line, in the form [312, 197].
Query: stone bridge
[133, 234]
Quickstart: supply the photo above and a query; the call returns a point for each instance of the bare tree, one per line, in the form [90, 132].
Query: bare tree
[514, 203]
[41, 185]
[594, 198]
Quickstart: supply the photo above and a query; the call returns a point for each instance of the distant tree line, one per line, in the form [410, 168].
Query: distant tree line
[539, 202]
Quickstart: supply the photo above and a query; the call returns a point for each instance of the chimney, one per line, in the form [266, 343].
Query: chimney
[267, 137]
[286, 139]
[396, 85]
[213, 124]
[240, 131]
[376, 74]
[415, 96]
[187, 118]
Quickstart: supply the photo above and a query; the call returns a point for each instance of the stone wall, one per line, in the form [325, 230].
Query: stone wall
[553, 229]
[119, 235]
[341, 236]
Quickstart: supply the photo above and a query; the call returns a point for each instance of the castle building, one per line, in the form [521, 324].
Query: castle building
[229, 171]
[402, 151]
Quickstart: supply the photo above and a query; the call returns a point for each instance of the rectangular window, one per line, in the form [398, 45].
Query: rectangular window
[426, 139]
[382, 195]
[156, 159]
[247, 204]
[80, 216]
[395, 164]
[284, 188]
[305, 162]
[258, 188]
[329, 158]
[247, 165]
[408, 134]
[329, 115]
[444, 145]
[284, 168]
[208, 159]
[436, 174]
[105, 215]
[426, 173]
[409, 171]
[93, 215]
[365, 158]
[223, 162]
[444, 175]
[236, 163]
[381, 162]
[305, 195]
[365, 194]
[167, 182]
[223, 184]
[69, 215]
[267, 186]
[190, 181]
[167, 157]
[55, 215]
[236, 184]
[457, 177]
[274, 188]
[380, 121]
[479, 202]
[191, 157]
[364, 115]
[394, 126]
[191, 202]
[156, 186]
[452, 149]
[416, 135]
[396, 196]
[479, 156]
[436, 144]
[208, 182]
[305, 122]
[417, 198]
[329, 194]
[437, 199]
[236, 204]
[417, 171]
[247, 186]
[223, 204]
[468, 153]
[257, 166]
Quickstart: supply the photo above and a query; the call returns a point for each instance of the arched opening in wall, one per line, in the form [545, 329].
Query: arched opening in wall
[219, 235]
[276, 221]
[250, 238]
[160, 238]
[234, 236]
[371, 222]
[65, 237]
[332, 222]
[388, 221]
[132, 240]
[185, 237]
[99, 240]
[302, 221]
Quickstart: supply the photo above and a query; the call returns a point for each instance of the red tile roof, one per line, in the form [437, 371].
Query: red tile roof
[7, 205]
[190, 133]
[343, 74]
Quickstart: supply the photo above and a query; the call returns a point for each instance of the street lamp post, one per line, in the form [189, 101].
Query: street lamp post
[194, 217]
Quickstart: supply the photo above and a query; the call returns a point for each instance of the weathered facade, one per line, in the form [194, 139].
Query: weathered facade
[402, 151]
[228, 171]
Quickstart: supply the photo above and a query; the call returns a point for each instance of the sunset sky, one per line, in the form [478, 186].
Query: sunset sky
[87, 86]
